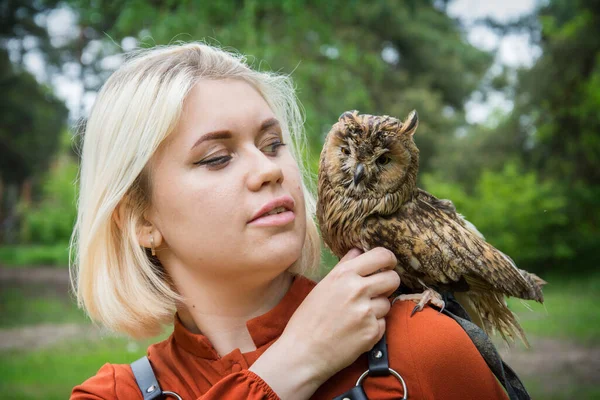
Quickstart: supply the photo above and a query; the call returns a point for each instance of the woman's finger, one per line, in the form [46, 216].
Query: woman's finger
[380, 306]
[383, 283]
[353, 253]
[372, 261]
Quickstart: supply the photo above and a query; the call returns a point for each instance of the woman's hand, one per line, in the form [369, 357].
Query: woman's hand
[339, 320]
[343, 316]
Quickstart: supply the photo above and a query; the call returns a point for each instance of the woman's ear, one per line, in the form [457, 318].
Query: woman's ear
[118, 213]
[149, 236]
[145, 231]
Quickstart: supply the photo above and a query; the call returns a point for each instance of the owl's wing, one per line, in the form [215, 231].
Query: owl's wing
[447, 207]
[435, 243]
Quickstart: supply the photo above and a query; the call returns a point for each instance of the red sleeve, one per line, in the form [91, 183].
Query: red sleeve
[114, 383]
[446, 363]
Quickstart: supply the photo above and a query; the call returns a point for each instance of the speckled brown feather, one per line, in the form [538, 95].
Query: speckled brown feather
[434, 244]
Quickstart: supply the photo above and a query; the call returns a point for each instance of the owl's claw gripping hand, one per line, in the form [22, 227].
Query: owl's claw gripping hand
[428, 296]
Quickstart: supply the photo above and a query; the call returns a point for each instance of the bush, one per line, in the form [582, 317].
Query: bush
[51, 220]
[30, 255]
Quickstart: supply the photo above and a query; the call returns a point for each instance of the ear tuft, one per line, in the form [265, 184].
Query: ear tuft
[409, 126]
[348, 115]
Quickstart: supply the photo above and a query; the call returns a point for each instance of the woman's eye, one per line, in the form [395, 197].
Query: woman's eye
[272, 147]
[345, 151]
[215, 161]
[383, 160]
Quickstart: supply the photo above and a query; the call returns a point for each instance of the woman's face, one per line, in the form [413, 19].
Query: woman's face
[214, 178]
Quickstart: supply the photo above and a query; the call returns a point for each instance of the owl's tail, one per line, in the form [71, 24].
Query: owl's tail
[490, 312]
[535, 285]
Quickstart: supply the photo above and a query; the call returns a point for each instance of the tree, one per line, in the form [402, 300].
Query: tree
[553, 130]
[558, 100]
[32, 118]
[380, 57]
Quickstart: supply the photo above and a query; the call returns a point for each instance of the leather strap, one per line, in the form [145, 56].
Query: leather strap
[507, 377]
[378, 366]
[378, 359]
[146, 380]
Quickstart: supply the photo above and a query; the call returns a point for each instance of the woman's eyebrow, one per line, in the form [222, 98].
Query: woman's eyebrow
[269, 123]
[213, 136]
[225, 134]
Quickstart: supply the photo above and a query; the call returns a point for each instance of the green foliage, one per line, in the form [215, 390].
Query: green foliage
[488, 146]
[334, 50]
[32, 119]
[559, 99]
[381, 57]
[563, 92]
[32, 255]
[51, 220]
[515, 211]
[328, 261]
[553, 132]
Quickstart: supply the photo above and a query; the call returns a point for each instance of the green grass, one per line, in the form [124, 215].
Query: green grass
[34, 255]
[52, 373]
[36, 304]
[570, 310]
[538, 389]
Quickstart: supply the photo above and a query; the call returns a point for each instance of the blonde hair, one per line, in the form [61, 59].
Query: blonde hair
[115, 279]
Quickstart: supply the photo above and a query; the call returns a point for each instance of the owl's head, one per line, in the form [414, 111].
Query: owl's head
[369, 156]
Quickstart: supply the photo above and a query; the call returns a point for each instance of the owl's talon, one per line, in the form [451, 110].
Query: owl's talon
[428, 296]
[443, 307]
[417, 308]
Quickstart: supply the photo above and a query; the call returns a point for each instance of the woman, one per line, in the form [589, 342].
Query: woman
[193, 211]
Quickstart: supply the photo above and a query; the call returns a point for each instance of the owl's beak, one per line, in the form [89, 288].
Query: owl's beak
[359, 174]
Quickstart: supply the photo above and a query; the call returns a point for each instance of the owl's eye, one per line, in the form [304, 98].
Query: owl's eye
[345, 151]
[383, 160]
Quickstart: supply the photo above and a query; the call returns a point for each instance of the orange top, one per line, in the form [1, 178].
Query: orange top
[431, 352]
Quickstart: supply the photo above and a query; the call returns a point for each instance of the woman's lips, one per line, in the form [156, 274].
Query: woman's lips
[280, 219]
[283, 203]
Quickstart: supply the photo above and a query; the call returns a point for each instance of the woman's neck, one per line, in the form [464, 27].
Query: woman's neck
[219, 310]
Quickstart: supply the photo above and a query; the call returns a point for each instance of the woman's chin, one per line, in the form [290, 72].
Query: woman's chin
[280, 257]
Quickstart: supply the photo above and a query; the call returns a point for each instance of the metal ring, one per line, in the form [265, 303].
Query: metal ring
[397, 375]
[172, 394]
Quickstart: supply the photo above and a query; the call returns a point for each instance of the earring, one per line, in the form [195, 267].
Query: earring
[152, 244]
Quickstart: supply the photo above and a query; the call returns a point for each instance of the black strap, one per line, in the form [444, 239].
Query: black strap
[146, 380]
[378, 359]
[507, 377]
[379, 365]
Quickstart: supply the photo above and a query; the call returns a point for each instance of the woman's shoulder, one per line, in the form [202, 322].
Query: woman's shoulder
[438, 354]
[429, 334]
[429, 331]
[116, 381]
[112, 381]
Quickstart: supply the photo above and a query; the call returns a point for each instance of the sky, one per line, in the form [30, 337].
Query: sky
[513, 50]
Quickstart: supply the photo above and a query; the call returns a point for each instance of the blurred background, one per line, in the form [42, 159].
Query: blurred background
[508, 94]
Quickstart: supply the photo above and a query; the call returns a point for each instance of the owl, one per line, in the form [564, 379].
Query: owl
[368, 197]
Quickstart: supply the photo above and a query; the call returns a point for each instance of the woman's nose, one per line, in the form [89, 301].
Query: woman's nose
[264, 170]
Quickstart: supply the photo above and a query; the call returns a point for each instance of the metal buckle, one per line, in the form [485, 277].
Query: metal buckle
[172, 394]
[397, 375]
